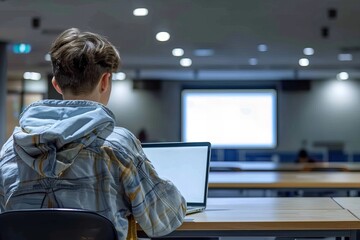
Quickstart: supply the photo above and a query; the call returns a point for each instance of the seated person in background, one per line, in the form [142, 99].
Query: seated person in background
[303, 157]
[68, 153]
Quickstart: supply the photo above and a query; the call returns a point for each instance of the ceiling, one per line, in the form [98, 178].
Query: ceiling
[233, 29]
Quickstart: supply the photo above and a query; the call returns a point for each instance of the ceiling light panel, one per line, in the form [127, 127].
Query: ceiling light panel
[308, 51]
[140, 12]
[118, 76]
[345, 57]
[342, 76]
[162, 36]
[47, 57]
[253, 61]
[32, 76]
[304, 62]
[262, 47]
[178, 52]
[204, 52]
[185, 62]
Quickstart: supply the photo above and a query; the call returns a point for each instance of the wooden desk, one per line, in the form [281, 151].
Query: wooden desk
[284, 180]
[272, 166]
[271, 203]
[287, 217]
[350, 203]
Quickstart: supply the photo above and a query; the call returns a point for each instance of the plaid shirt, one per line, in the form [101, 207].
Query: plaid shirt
[68, 154]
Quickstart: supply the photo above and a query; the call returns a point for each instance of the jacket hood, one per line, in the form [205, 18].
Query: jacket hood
[53, 132]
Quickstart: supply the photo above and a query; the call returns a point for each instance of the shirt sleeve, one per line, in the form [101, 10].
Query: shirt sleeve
[2, 204]
[2, 198]
[156, 204]
[5, 153]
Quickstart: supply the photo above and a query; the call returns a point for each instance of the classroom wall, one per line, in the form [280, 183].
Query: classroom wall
[3, 87]
[137, 109]
[328, 112]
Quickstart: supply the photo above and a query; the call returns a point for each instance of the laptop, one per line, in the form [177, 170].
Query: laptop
[186, 164]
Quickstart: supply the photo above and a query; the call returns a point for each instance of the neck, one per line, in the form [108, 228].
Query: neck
[88, 96]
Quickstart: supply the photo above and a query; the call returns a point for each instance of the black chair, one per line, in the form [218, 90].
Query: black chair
[55, 224]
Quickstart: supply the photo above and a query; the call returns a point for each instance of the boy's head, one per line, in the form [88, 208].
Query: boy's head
[80, 60]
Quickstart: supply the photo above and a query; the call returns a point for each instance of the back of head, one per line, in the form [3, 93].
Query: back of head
[303, 153]
[80, 58]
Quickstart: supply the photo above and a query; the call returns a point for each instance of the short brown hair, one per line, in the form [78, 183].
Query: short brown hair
[80, 58]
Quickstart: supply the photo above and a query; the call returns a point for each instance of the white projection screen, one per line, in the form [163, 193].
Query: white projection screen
[235, 118]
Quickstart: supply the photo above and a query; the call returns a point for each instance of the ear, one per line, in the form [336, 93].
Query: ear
[105, 82]
[56, 86]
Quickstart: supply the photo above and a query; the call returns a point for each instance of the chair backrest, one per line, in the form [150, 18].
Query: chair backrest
[55, 224]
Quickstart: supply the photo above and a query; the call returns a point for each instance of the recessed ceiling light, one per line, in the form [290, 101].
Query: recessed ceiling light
[345, 57]
[32, 76]
[342, 76]
[118, 76]
[308, 51]
[203, 52]
[304, 62]
[47, 57]
[178, 52]
[262, 47]
[162, 36]
[185, 62]
[140, 12]
[253, 61]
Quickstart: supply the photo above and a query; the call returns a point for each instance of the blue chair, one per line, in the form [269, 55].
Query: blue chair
[290, 157]
[356, 157]
[215, 155]
[337, 156]
[258, 156]
[55, 224]
[231, 155]
[318, 157]
[287, 157]
[225, 155]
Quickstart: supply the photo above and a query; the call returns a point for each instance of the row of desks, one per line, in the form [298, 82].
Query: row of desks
[280, 217]
[284, 180]
[276, 176]
[275, 167]
[285, 217]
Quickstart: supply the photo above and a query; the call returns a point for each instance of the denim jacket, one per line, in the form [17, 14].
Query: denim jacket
[68, 154]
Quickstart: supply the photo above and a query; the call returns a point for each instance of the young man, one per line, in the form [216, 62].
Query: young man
[68, 154]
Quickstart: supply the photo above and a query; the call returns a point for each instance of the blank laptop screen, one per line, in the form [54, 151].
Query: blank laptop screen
[185, 166]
